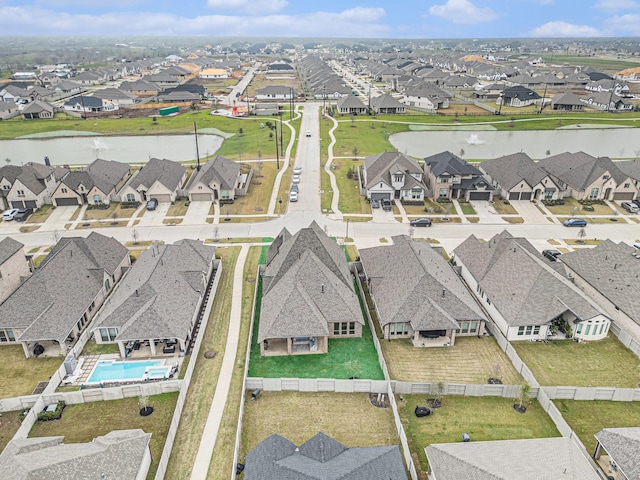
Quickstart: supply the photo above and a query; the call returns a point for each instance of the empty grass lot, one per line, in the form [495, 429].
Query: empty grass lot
[347, 357]
[20, 374]
[470, 360]
[205, 373]
[83, 422]
[587, 418]
[605, 363]
[258, 196]
[483, 418]
[9, 425]
[350, 199]
[347, 417]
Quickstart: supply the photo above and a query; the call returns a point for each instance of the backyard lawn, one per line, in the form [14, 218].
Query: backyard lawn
[605, 363]
[470, 360]
[347, 417]
[587, 418]
[85, 421]
[483, 418]
[20, 374]
[9, 425]
[347, 357]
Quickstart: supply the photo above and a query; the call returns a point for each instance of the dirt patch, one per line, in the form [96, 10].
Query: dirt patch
[519, 408]
[209, 354]
[494, 381]
[382, 402]
[434, 402]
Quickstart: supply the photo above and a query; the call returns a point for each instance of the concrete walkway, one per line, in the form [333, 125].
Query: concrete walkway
[403, 212]
[210, 433]
[327, 168]
[459, 212]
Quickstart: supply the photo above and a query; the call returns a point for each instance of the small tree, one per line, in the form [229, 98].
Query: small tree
[240, 131]
[134, 235]
[437, 392]
[355, 153]
[114, 218]
[581, 235]
[524, 393]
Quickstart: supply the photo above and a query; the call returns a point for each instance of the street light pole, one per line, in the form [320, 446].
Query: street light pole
[347, 236]
[275, 127]
[324, 98]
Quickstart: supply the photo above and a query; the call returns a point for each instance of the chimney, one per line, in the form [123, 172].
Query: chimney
[47, 162]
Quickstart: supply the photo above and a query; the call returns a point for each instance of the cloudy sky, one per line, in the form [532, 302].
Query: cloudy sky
[324, 18]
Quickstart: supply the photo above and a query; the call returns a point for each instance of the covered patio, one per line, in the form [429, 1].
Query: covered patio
[433, 338]
[294, 346]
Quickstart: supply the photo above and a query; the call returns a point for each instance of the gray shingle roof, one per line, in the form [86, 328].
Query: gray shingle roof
[623, 446]
[167, 172]
[37, 106]
[580, 170]
[611, 269]
[380, 166]
[322, 458]
[566, 98]
[220, 170]
[447, 162]
[530, 459]
[33, 176]
[509, 170]
[307, 285]
[350, 101]
[118, 454]
[158, 296]
[524, 288]
[8, 248]
[386, 101]
[630, 168]
[49, 304]
[410, 281]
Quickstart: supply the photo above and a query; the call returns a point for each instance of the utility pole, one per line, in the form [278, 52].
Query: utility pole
[324, 98]
[280, 117]
[275, 127]
[195, 131]
[544, 95]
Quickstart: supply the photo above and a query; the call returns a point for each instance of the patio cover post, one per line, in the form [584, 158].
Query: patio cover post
[152, 345]
[123, 353]
[25, 347]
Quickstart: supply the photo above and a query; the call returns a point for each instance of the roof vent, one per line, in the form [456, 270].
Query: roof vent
[137, 293]
[322, 288]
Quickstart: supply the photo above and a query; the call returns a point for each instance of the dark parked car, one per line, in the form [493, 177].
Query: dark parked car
[375, 204]
[637, 202]
[294, 188]
[386, 205]
[23, 214]
[152, 204]
[575, 222]
[420, 222]
[551, 254]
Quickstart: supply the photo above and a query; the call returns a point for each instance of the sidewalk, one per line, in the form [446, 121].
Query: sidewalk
[210, 433]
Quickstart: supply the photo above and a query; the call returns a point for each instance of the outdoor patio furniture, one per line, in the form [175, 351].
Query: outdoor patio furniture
[169, 350]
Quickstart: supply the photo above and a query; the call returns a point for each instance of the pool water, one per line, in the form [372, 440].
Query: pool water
[111, 370]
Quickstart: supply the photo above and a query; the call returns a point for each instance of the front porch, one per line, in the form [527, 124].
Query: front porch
[294, 346]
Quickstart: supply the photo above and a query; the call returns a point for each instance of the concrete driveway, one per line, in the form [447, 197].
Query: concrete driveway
[486, 213]
[59, 217]
[197, 213]
[155, 217]
[529, 212]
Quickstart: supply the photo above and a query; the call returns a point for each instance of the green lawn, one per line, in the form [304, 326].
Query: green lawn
[20, 374]
[83, 422]
[467, 208]
[483, 418]
[93, 348]
[587, 418]
[347, 357]
[41, 214]
[571, 205]
[605, 363]
[350, 199]
[9, 425]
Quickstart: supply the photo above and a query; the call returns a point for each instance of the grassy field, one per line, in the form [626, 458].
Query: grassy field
[571, 205]
[179, 208]
[21, 375]
[605, 363]
[83, 422]
[587, 418]
[504, 208]
[347, 357]
[9, 425]
[470, 360]
[222, 461]
[205, 374]
[483, 418]
[603, 63]
[350, 199]
[298, 416]
[107, 213]
[259, 194]
[263, 80]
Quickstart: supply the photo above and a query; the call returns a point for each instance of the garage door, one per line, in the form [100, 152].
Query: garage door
[623, 196]
[201, 197]
[30, 204]
[63, 202]
[514, 195]
[479, 195]
[525, 196]
[380, 196]
[162, 198]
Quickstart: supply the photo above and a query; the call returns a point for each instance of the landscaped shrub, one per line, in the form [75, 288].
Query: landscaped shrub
[553, 203]
[226, 201]
[55, 415]
[412, 202]
[129, 204]
[98, 206]
[443, 200]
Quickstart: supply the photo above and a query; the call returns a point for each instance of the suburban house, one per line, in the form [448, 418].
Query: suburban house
[426, 98]
[351, 105]
[519, 177]
[33, 186]
[276, 458]
[606, 101]
[528, 297]
[386, 104]
[96, 184]
[631, 168]
[417, 294]
[567, 102]
[118, 454]
[617, 452]
[141, 88]
[37, 110]
[604, 274]
[527, 459]
[518, 96]
[583, 177]
[8, 110]
[390, 175]
[209, 73]
[276, 92]
[14, 269]
[118, 97]
[219, 178]
[308, 295]
[159, 298]
[54, 306]
[448, 176]
[89, 104]
[8, 175]
[159, 179]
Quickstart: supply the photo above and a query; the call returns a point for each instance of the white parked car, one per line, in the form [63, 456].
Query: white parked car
[9, 214]
[297, 170]
[308, 134]
[293, 196]
[295, 179]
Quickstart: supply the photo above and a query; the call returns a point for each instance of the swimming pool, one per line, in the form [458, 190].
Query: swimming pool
[114, 371]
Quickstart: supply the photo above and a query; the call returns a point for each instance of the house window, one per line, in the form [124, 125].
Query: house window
[601, 329]
[456, 179]
[587, 329]
[520, 330]
[536, 330]
[97, 199]
[594, 193]
[108, 334]
[443, 193]
[579, 330]
[488, 301]
[21, 192]
[529, 329]
[416, 195]
[131, 197]
[107, 285]
[605, 177]
[398, 178]
[626, 185]
[92, 306]
[465, 327]
[64, 190]
[548, 193]
[473, 327]
[7, 336]
[396, 329]
[199, 187]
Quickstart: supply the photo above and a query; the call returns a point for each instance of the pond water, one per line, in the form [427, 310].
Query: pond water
[610, 142]
[130, 149]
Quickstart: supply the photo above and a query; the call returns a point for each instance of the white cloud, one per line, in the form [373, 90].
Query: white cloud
[616, 5]
[253, 7]
[354, 22]
[564, 29]
[628, 24]
[462, 11]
